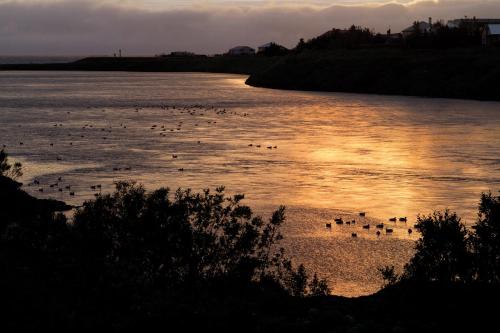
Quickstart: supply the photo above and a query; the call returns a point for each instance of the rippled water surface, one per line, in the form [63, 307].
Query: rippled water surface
[335, 155]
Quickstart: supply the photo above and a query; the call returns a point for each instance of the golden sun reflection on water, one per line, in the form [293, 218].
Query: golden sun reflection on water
[335, 155]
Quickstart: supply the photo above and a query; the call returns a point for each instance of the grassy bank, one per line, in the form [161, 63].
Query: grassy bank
[452, 73]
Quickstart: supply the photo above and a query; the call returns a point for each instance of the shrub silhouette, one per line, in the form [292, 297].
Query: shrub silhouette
[13, 171]
[184, 242]
[486, 239]
[134, 254]
[442, 253]
[448, 253]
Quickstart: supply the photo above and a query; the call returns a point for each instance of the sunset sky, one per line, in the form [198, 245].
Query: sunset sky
[87, 27]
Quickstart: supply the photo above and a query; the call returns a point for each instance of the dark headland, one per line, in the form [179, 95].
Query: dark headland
[455, 73]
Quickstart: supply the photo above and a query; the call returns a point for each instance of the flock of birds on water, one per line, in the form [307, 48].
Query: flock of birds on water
[59, 185]
[367, 226]
[97, 129]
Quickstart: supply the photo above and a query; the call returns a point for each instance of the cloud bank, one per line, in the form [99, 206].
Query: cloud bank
[85, 27]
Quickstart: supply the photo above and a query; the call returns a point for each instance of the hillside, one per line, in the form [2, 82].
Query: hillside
[452, 73]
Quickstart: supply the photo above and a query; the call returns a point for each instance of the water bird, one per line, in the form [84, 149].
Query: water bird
[393, 219]
[174, 156]
[380, 226]
[410, 231]
[366, 226]
[388, 231]
[402, 219]
[40, 189]
[181, 169]
[72, 194]
[339, 221]
[362, 214]
[378, 233]
[354, 235]
[328, 225]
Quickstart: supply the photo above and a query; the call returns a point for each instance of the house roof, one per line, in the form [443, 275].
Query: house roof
[494, 29]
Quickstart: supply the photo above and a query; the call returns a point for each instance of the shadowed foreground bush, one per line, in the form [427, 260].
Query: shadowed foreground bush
[449, 253]
[133, 257]
[138, 261]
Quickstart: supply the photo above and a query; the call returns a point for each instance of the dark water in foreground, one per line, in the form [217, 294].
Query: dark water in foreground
[336, 155]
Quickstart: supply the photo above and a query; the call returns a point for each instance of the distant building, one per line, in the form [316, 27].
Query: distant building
[491, 34]
[241, 50]
[418, 27]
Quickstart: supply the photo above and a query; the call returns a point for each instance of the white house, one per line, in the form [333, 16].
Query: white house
[241, 50]
[491, 34]
[423, 27]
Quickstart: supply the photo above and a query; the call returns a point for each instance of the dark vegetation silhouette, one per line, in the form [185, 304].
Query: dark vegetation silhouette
[133, 253]
[449, 253]
[440, 36]
[273, 50]
[361, 61]
[138, 260]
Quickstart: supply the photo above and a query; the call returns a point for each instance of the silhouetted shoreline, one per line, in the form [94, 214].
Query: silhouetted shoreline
[218, 64]
[470, 73]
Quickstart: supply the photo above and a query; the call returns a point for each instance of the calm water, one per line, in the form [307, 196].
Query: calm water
[336, 155]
